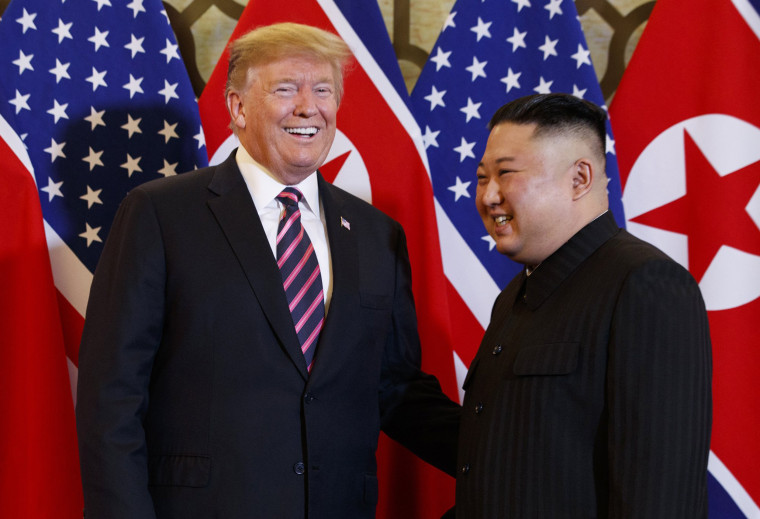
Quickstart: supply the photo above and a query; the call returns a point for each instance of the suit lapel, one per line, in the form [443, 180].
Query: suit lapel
[237, 216]
[342, 315]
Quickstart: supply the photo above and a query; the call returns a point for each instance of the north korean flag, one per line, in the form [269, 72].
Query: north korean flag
[687, 125]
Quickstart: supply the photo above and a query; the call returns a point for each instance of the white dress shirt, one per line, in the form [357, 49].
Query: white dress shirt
[264, 188]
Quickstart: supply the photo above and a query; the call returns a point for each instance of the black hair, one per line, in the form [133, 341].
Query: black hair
[554, 114]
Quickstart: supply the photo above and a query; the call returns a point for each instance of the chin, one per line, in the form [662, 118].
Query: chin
[504, 244]
[308, 161]
[506, 251]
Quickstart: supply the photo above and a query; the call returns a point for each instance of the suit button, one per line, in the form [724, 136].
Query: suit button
[299, 468]
[479, 408]
[465, 468]
[496, 349]
[309, 398]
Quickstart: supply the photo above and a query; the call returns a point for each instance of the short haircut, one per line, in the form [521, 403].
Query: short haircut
[270, 43]
[556, 114]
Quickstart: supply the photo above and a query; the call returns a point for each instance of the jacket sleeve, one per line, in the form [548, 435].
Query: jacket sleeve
[121, 335]
[414, 410]
[659, 396]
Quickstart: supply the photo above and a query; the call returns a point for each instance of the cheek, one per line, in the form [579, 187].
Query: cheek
[329, 132]
[272, 110]
[330, 121]
[327, 108]
[511, 186]
[256, 119]
[480, 205]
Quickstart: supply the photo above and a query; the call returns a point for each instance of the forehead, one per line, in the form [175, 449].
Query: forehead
[294, 68]
[510, 140]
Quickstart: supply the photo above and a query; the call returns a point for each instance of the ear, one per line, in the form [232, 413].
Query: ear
[236, 110]
[583, 177]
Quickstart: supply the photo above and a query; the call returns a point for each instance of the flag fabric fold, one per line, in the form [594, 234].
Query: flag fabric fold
[688, 141]
[94, 100]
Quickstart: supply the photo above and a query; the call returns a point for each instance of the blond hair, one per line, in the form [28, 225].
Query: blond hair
[270, 43]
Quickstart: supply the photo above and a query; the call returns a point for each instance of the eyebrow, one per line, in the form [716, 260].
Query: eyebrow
[291, 79]
[295, 81]
[499, 160]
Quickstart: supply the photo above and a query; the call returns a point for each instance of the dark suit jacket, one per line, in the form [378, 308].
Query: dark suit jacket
[194, 400]
[590, 393]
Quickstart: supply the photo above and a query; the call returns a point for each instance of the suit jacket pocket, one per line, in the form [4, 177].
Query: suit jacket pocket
[179, 470]
[559, 358]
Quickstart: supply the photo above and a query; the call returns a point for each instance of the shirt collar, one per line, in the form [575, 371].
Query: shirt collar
[264, 186]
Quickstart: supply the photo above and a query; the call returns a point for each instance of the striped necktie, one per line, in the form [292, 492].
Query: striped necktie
[300, 274]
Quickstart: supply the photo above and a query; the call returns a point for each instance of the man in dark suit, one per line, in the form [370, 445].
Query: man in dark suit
[590, 393]
[208, 390]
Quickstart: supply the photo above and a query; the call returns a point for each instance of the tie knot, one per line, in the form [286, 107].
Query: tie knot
[290, 196]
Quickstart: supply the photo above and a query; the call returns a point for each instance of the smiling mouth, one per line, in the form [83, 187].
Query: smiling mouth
[309, 131]
[502, 219]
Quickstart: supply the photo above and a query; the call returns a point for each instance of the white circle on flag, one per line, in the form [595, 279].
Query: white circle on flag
[353, 175]
[658, 177]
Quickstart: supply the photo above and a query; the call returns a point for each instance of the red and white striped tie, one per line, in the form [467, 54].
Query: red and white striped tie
[300, 272]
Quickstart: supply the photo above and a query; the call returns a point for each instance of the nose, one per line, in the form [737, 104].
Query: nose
[306, 105]
[491, 194]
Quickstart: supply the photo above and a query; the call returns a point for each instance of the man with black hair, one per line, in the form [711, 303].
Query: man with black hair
[590, 393]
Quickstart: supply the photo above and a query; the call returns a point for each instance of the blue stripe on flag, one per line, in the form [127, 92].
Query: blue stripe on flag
[720, 505]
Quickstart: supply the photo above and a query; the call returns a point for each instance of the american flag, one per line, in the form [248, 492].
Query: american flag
[488, 53]
[100, 95]
[94, 100]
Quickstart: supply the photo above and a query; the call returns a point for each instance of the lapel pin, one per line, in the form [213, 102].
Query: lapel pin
[345, 223]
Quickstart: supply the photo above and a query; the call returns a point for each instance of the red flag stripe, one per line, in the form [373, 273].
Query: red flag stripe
[38, 438]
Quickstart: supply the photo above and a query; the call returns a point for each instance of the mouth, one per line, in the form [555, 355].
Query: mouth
[502, 219]
[309, 131]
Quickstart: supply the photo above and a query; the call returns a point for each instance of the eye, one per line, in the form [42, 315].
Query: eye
[285, 90]
[323, 90]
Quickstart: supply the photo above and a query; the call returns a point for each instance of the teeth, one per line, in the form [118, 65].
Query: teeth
[302, 131]
[502, 219]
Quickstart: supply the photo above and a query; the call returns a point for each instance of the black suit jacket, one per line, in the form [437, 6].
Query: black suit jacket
[590, 394]
[194, 400]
